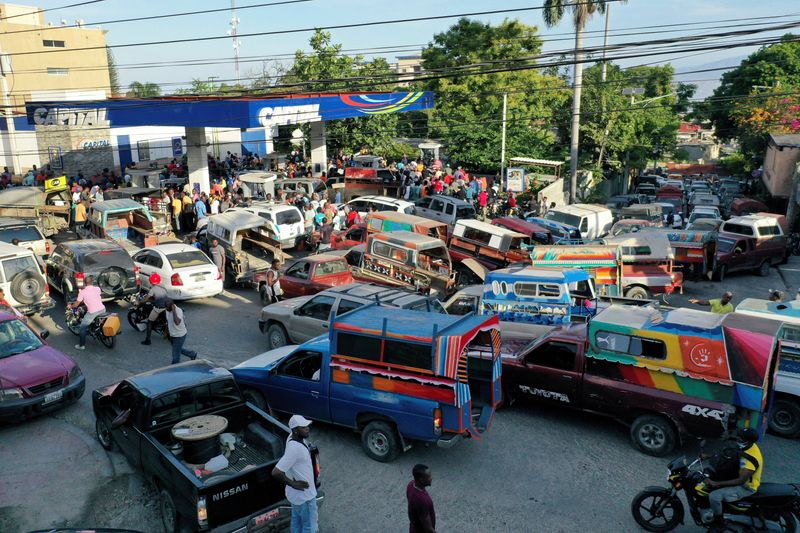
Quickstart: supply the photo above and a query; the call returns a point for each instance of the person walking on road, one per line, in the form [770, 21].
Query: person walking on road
[719, 305]
[421, 514]
[177, 333]
[273, 288]
[296, 470]
[92, 298]
[217, 254]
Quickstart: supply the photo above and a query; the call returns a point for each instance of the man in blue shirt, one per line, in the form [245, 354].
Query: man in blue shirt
[200, 208]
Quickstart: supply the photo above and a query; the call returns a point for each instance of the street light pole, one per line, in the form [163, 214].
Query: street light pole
[605, 43]
[503, 141]
[5, 70]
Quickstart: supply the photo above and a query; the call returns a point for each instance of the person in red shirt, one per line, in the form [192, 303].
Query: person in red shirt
[353, 217]
[438, 186]
[421, 514]
[512, 201]
[483, 198]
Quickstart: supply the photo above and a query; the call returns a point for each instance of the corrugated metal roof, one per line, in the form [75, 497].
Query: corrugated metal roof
[531, 161]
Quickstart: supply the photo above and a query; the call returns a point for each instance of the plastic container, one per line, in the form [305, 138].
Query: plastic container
[215, 464]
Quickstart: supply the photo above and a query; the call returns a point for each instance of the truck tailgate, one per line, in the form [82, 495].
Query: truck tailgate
[242, 494]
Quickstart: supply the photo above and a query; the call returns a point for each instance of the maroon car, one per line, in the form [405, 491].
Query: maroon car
[315, 273]
[34, 377]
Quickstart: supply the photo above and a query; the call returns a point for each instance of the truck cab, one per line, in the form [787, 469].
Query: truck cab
[123, 220]
[394, 375]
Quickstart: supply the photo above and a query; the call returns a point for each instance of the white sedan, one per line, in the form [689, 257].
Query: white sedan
[186, 272]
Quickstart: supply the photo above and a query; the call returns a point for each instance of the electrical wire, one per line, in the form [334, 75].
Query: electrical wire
[51, 9]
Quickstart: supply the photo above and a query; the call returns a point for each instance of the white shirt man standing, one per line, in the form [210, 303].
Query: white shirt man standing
[296, 470]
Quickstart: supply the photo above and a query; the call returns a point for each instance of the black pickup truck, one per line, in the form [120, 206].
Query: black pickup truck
[137, 415]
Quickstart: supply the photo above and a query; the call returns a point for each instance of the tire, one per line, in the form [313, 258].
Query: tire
[133, 314]
[262, 294]
[720, 273]
[653, 435]
[66, 291]
[112, 281]
[256, 398]
[277, 336]
[74, 326]
[170, 518]
[763, 269]
[108, 342]
[228, 280]
[637, 293]
[784, 419]
[103, 434]
[27, 287]
[788, 522]
[380, 442]
[643, 510]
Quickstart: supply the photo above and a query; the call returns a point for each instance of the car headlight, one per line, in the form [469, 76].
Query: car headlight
[10, 394]
[75, 373]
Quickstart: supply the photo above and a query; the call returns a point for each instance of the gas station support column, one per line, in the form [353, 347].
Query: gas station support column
[319, 152]
[197, 161]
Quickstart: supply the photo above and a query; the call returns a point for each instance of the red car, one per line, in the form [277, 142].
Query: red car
[34, 377]
[313, 274]
[346, 239]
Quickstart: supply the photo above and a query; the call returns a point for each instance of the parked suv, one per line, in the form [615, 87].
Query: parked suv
[23, 280]
[444, 209]
[27, 233]
[297, 320]
[104, 260]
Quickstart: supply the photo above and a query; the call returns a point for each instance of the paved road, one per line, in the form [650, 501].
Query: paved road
[537, 469]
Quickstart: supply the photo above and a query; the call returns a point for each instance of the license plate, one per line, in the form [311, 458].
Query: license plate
[262, 519]
[53, 396]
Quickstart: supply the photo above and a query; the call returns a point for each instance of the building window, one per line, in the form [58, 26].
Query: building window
[53, 44]
[52, 71]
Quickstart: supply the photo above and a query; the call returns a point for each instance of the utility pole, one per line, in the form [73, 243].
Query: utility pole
[8, 111]
[791, 209]
[503, 141]
[236, 42]
[605, 43]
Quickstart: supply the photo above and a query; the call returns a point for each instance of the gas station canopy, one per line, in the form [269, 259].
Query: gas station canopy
[236, 112]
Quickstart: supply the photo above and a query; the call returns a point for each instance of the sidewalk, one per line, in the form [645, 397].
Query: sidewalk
[790, 272]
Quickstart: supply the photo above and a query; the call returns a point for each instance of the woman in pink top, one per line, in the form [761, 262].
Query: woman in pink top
[92, 298]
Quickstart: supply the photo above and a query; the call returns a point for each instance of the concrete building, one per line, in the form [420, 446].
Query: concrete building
[409, 66]
[783, 154]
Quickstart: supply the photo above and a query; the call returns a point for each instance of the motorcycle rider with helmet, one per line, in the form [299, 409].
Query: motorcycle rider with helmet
[751, 465]
[158, 295]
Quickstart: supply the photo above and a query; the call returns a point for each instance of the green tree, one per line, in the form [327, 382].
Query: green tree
[771, 69]
[147, 89]
[113, 73]
[208, 88]
[582, 11]
[467, 115]
[327, 69]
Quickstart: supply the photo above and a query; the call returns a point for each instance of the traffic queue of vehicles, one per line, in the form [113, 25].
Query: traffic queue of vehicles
[550, 309]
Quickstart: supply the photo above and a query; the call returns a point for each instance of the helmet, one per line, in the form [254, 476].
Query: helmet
[155, 279]
[747, 435]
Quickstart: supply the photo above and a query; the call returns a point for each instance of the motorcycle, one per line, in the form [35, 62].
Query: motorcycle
[103, 328]
[660, 509]
[138, 314]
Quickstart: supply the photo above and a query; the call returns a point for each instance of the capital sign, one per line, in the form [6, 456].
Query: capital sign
[67, 116]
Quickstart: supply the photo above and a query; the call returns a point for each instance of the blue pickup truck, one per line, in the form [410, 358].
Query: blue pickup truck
[394, 375]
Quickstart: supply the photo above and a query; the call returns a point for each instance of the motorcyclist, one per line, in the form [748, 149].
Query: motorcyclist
[751, 465]
[158, 295]
[92, 298]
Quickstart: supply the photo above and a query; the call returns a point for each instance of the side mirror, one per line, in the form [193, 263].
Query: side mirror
[44, 333]
[121, 419]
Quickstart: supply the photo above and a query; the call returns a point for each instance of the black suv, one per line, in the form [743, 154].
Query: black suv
[109, 265]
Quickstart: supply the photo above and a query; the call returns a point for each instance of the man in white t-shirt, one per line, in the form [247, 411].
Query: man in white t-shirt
[296, 470]
[177, 333]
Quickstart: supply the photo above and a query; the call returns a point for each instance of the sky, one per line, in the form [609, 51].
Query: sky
[156, 63]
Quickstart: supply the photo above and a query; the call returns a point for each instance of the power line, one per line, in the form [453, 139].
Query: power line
[51, 9]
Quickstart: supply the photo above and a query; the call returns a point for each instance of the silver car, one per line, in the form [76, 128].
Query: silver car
[297, 320]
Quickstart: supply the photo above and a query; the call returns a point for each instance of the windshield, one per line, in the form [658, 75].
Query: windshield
[435, 260]
[15, 338]
[564, 218]
[188, 259]
[106, 258]
[725, 245]
[465, 211]
[290, 216]
[331, 267]
[24, 234]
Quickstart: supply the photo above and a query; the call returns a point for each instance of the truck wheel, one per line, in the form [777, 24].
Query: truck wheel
[256, 398]
[653, 435]
[262, 293]
[170, 518]
[637, 293]
[277, 336]
[720, 273]
[763, 270]
[784, 419]
[380, 442]
[103, 434]
[27, 287]
[228, 280]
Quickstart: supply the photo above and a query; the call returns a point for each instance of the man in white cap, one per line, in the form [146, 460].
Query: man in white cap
[296, 470]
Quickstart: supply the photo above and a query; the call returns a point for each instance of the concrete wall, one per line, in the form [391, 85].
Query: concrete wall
[72, 142]
[779, 165]
[554, 192]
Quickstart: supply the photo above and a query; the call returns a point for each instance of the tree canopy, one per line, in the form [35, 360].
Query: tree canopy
[147, 89]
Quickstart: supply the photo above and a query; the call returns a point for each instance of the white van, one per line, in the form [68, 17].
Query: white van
[593, 221]
[753, 226]
[380, 203]
[287, 219]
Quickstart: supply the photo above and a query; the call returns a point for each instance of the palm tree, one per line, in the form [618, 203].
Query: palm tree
[147, 89]
[582, 11]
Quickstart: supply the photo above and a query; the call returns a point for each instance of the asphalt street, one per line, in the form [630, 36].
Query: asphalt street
[537, 469]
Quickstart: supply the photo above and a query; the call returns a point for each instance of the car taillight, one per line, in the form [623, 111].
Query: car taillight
[79, 277]
[175, 280]
[437, 420]
[136, 274]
